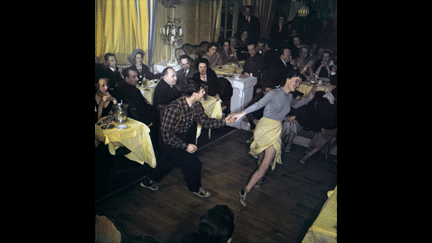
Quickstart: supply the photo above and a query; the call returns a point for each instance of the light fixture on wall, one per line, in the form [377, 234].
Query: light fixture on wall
[170, 33]
[303, 11]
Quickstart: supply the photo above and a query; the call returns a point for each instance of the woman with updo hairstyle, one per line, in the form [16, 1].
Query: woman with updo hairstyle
[103, 98]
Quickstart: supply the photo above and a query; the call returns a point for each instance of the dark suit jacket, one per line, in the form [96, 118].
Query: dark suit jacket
[138, 109]
[275, 73]
[103, 71]
[164, 94]
[275, 34]
[181, 74]
[253, 27]
[254, 65]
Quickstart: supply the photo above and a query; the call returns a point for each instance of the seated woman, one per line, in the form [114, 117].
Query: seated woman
[304, 63]
[290, 127]
[267, 144]
[323, 66]
[103, 99]
[219, 89]
[212, 55]
[321, 117]
[242, 51]
[136, 59]
[226, 54]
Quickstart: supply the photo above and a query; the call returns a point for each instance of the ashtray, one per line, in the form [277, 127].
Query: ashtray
[121, 126]
[107, 126]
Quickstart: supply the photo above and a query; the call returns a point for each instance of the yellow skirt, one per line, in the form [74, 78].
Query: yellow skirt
[267, 133]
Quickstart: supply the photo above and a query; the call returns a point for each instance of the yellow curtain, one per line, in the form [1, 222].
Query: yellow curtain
[203, 22]
[121, 26]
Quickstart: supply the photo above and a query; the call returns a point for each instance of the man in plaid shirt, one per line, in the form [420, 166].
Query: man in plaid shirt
[178, 117]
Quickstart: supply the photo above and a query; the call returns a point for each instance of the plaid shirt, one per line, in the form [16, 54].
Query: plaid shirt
[172, 123]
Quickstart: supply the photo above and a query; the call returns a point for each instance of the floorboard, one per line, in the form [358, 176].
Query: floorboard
[281, 210]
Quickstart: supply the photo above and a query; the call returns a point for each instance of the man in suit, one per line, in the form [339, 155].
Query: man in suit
[277, 69]
[250, 23]
[138, 109]
[109, 70]
[166, 90]
[254, 63]
[187, 69]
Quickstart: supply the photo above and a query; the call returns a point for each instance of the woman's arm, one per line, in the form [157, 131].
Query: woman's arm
[258, 105]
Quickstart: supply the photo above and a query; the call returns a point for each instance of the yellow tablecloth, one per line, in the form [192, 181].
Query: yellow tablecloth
[135, 137]
[324, 228]
[306, 87]
[212, 108]
[228, 68]
[148, 90]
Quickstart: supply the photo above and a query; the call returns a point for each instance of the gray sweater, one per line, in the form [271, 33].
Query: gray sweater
[277, 104]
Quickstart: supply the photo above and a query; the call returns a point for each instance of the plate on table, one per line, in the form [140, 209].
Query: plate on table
[121, 126]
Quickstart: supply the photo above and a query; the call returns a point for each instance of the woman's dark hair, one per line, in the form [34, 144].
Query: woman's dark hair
[292, 74]
[211, 44]
[216, 225]
[327, 51]
[191, 85]
[202, 60]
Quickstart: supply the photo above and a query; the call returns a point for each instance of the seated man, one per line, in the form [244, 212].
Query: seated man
[177, 120]
[138, 109]
[277, 69]
[166, 90]
[109, 70]
[187, 69]
[254, 63]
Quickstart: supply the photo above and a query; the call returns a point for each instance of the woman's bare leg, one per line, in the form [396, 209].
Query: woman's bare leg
[269, 155]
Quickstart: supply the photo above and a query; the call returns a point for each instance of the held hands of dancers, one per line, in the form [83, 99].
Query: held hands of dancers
[233, 117]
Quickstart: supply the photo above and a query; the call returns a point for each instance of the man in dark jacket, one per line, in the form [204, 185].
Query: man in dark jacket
[250, 23]
[187, 69]
[277, 69]
[109, 70]
[139, 109]
[166, 90]
[254, 63]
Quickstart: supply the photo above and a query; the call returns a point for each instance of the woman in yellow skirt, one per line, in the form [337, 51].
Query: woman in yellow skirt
[267, 144]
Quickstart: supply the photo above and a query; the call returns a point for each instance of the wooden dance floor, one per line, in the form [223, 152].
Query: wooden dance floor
[281, 210]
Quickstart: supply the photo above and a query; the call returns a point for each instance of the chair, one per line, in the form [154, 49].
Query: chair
[194, 52]
[160, 109]
[106, 230]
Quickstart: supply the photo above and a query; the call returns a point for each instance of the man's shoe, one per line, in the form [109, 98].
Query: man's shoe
[202, 193]
[243, 196]
[149, 184]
